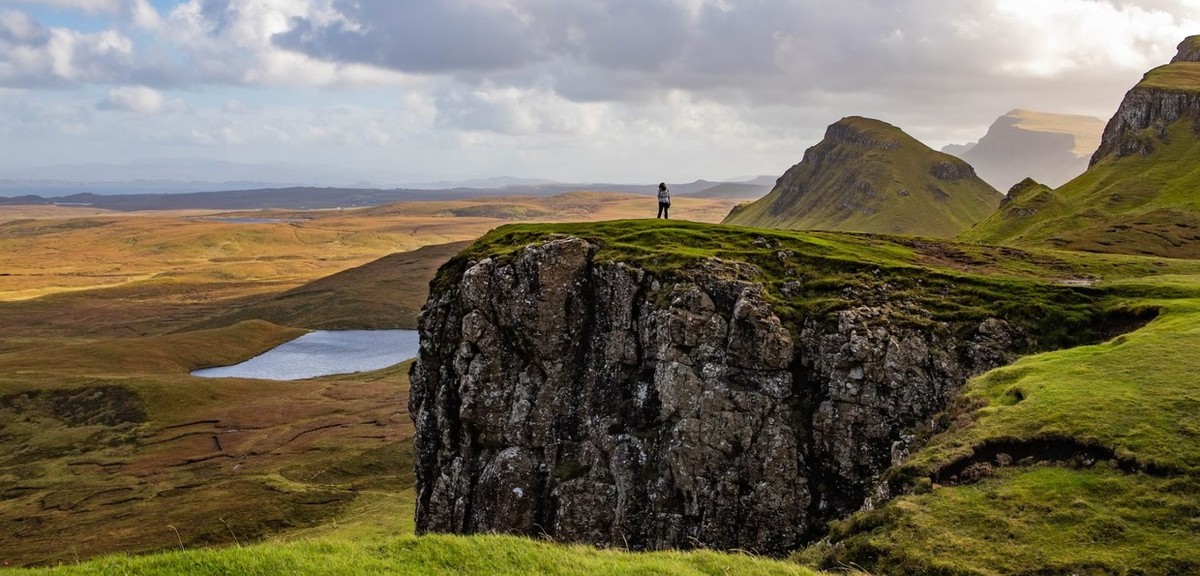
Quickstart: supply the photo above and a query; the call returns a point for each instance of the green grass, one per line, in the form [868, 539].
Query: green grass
[1039, 520]
[1135, 396]
[1177, 76]
[878, 180]
[433, 555]
[1140, 401]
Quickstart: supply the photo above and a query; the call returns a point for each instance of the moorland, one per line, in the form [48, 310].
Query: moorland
[110, 446]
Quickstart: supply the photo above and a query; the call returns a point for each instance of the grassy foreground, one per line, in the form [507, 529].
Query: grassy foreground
[1083, 461]
[433, 555]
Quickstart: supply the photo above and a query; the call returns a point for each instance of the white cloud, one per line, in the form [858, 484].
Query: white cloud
[140, 100]
[89, 6]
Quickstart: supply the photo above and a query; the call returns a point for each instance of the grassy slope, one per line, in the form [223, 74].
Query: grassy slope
[432, 555]
[1137, 511]
[1133, 204]
[384, 294]
[824, 192]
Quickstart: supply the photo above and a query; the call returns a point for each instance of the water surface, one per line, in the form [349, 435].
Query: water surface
[325, 352]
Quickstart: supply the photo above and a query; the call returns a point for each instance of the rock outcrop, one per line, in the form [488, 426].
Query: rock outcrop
[1164, 96]
[592, 401]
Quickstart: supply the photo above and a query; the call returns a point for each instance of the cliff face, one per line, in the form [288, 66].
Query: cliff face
[594, 402]
[1143, 118]
[869, 176]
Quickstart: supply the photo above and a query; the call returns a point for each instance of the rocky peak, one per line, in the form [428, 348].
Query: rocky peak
[863, 132]
[869, 176]
[952, 169]
[1165, 95]
[1189, 50]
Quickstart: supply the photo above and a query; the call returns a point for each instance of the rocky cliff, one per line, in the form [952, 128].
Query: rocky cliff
[1165, 95]
[869, 176]
[599, 401]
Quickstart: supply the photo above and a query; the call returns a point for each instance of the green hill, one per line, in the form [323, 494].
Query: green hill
[869, 176]
[1139, 194]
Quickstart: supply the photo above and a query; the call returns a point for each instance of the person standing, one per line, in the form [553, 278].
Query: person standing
[664, 201]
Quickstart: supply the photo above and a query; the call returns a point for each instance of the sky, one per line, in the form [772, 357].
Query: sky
[394, 91]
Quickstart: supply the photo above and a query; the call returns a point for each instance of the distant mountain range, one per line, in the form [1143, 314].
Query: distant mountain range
[1050, 148]
[306, 197]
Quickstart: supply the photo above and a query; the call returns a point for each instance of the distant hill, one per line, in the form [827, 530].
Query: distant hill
[869, 176]
[734, 191]
[308, 198]
[1050, 148]
[1139, 195]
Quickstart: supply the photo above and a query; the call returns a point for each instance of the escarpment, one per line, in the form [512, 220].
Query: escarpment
[597, 401]
[1164, 96]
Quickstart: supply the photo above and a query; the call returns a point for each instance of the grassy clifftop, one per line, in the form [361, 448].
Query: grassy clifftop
[1082, 460]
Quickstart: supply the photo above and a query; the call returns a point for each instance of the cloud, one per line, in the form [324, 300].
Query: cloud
[89, 6]
[140, 100]
[761, 51]
[632, 86]
[33, 55]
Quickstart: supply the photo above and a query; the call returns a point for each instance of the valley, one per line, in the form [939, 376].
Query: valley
[109, 445]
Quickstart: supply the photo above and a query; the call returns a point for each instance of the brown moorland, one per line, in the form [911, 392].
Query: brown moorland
[107, 444]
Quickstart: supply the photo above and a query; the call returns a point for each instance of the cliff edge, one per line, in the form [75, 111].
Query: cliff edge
[574, 386]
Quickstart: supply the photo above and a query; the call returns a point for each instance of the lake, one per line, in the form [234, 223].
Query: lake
[325, 352]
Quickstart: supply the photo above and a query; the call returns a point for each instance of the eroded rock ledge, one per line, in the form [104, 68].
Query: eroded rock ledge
[592, 402]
